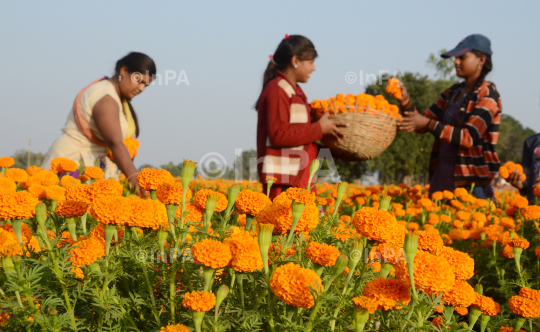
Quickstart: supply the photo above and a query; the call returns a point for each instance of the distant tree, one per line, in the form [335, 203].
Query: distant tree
[445, 67]
[511, 137]
[23, 159]
[246, 165]
[145, 166]
[175, 170]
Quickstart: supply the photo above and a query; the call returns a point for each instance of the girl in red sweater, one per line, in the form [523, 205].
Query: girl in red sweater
[286, 133]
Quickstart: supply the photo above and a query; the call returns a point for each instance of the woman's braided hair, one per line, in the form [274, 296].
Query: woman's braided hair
[486, 69]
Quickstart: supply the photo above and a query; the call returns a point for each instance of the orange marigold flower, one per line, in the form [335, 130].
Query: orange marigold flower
[537, 191]
[293, 284]
[519, 202]
[175, 328]
[448, 194]
[65, 239]
[71, 208]
[520, 243]
[460, 192]
[430, 242]
[387, 293]
[425, 202]
[102, 188]
[509, 329]
[531, 212]
[200, 199]
[461, 263]
[67, 181]
[6, 162]
[79, 192]
[151, 178]
[508, 251]
[387, 252]
[16, 174]
[45, 178]
[33, 170]
[83, 178]
[461, 311]
[172, 193]
[251, 202]
[432, 275]
[461, 295]
[537, 251]
[195, 213]
[524, 307]
[211, 253]
[463, 215]
[375, 224]
[199, 301]
[111, 210]
[38, 191]
[94, 172]
[7, 184]
[367, 303]
[86, 250]
[457, 204]
[279, 213]
[9, 246]
[55, 193]
[99, 232]
[79, 274]
[68, 165]
[55, 165]
[17, 205]
[530, 294]
[437, 196]
[300, 195]
[486, 305]
[322, 253]
[343, 233]
[246, 256]
[146, 213]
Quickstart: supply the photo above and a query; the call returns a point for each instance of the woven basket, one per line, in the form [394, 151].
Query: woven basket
[369, 132]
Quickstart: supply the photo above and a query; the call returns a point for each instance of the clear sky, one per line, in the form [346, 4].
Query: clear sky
[52, 49]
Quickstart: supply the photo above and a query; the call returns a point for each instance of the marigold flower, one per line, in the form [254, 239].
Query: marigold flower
[300, 195]
[531, 212]
[6, 162]
[146, 213]
[387, 292]
[432, 275]
[79, 274]
[537, 251]
[461, 311]
[71, 208]
[430, 242]
[65, 238]
[99, 232]
[111, 210]
[508, 251]
[519, 202]
[16, 174]
[279, 213]
[211, 253]
[246, 256]
[293, 284]
[17, 205]
[519, 243]
[55, 193]
[199, 301]
[38, 191]
[55, 165]
[44, 178]
[175, 328]
[461, 295]
[172, 193]
[530, 294]
[200, 199]
[437, 196]
[9, 246]
[509, 329]
[7, 184]
[151, 178]
[461, 263]
[33, 170]
[375, 224]
[67, 181]
[102, 188]
[524, 307]
[195, 213]
[79, 192]
[68, 165]
[86, 250]
[367, 303]
[322, 253]
[250, 202]
[94, 172]
[343, 233]
[387, 252]
[486, 305]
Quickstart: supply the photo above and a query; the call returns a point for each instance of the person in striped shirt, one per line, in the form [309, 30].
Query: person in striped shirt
[465, 122]
[286, 132]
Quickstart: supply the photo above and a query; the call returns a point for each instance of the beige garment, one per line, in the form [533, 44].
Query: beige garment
[72, 144]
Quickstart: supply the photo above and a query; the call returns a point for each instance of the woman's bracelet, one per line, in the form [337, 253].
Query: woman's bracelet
[429, 125]
[134, 174]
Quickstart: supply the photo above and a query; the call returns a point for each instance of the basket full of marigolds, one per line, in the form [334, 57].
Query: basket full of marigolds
[372, 124]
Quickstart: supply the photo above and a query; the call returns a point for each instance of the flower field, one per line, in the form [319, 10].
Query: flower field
[83, 254]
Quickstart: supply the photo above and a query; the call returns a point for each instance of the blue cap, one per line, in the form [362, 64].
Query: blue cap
[475, 42]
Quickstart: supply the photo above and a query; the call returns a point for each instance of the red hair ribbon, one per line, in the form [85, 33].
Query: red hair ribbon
[287, 36]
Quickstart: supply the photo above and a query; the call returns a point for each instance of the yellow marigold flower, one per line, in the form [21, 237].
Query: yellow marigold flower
[387, 293]
[462, 311]
[111, 210]
[55, 193]
[429, 241]
[195, 213]
[250, 202]
[171, 193]
[461, 263]
[33, 170]
[211, 253]
[200, 199]
[7, 184]
[531, 212]
[79, 192]
[86, 250]
[151, 178]
[437, 196]
[386, 252]
[9, 246]
[146, 213]
[199, 301]
[78, 272]
[279, 213]
[530, 294]
[175, 328]
[71, 208]
[524, 307]
[102, 188]
[322, 253]
[6, 162]
[246, 256]
[487, 305]
[520, 243]
[292, 284]
[432, 275]
[16, 174]
[461, 295]
[367, 303]
[93, 172]
[67, 181]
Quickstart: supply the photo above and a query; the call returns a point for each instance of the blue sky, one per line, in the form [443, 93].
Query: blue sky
[51, 50]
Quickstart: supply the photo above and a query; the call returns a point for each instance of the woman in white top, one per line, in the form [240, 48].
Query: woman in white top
[102, 117]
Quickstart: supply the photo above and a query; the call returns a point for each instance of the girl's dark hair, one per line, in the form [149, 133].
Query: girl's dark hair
[488, 66]
[297, 45]
[136, 62]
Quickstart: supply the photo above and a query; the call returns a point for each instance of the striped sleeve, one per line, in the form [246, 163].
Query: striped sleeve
[485, 112]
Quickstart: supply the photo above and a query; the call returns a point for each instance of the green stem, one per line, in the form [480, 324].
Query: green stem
[151, 293]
